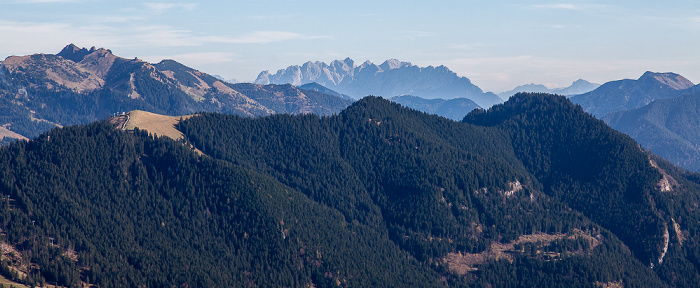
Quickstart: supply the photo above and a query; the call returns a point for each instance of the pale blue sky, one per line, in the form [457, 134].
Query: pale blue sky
[496, 44]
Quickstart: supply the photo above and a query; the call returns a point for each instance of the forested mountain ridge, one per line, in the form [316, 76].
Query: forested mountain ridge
[605, 175]
[378, 195]
[77, 85]
[391, 78]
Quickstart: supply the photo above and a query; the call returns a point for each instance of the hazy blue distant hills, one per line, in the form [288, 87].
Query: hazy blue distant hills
[579, 86]
[391, 78]
[454, 109]
[80, 85]
[320, 88]
[630, 94]
[667, 127]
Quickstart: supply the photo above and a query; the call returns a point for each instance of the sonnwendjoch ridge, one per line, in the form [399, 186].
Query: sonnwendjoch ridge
[41, 91]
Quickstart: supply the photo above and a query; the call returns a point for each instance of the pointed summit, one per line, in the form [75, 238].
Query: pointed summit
[72, 52]
[393, 64]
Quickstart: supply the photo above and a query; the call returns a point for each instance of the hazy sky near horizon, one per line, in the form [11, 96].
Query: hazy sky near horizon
[496, 44]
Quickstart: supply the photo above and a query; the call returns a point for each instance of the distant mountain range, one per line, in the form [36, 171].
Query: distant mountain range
[79, 85]
[631, 94]
[579, 86]
[667, 127]
[391, 78]
[658, 110]
[454, 109]
[320, 88]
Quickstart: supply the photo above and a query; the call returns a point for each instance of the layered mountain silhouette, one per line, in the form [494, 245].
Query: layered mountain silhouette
[320, 88]
[533, 192]
[78, 85]
[631, 94]
[659, 110]
[667, 127]
[579, 86]
[391, 78]
[454, 109]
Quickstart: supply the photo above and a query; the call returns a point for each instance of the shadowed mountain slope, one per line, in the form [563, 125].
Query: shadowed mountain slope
[532, 192]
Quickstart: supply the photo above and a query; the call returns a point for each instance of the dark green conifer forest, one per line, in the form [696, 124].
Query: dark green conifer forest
[531, 193]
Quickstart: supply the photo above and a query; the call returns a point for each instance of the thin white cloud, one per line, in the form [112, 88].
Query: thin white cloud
[195, 59]
[272, 17]
[162, 36]
[31, 37]
[160, 7]
[415, 35]
[466, 46]
[115, 18]
[260, 37]
[42, 1]
[560, 26]
[503, 73]
[563, 6]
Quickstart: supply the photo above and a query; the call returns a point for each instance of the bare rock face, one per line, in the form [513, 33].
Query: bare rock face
[391, 78]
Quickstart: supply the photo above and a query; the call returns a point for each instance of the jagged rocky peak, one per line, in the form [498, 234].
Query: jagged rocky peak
[346, 65]
[393, 64]
[672, 80]
[76, 54]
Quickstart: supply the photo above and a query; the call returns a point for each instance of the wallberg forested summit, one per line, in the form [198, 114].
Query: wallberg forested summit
[530, 193]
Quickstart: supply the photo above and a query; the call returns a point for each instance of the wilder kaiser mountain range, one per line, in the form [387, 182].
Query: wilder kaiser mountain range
[391, 78]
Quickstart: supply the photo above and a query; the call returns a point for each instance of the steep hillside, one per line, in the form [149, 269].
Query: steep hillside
[42, 91]
[667, 127]
[533, 193]
[415, 173]
[454, 109]
[605, 175]
[630, 94]
[91, 204]
[391, 78]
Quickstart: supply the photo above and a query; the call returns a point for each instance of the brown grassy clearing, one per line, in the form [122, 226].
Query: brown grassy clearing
[160, 125]
[4, 132]
[463, 263]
